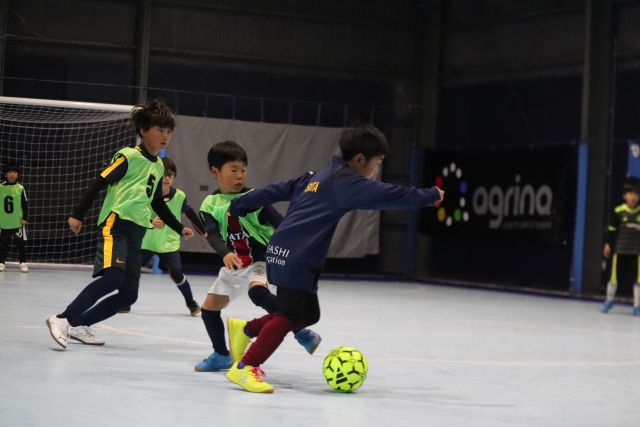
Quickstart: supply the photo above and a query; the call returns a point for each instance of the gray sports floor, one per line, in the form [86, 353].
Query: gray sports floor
[439, 356]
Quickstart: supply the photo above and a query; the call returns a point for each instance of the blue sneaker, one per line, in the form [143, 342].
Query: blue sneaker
[606, 306]
[636, 311]
[214, 362]
[308, 339]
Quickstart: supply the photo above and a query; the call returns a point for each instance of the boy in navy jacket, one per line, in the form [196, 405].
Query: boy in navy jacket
[297, 250]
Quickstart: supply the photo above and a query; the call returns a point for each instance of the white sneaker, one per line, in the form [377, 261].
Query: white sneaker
[1, 267]
[59, 330]
[85, 335]
[23, 267]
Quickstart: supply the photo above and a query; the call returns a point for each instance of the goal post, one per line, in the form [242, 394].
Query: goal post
[60, 147]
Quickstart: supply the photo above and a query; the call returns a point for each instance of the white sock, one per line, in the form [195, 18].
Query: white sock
[611, 291]
[636, 295]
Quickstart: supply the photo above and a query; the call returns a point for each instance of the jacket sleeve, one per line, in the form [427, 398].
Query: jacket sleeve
[112, 174]
[268, 215]
[213, 234]
[362, 193]
[25, 205]
[612, 229]
[160, 207]
[266, 196]
[193, 217]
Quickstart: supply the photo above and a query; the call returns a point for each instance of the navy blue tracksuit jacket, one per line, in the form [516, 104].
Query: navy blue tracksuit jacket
[299, 246]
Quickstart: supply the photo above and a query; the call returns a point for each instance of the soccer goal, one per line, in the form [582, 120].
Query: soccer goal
[61, 147]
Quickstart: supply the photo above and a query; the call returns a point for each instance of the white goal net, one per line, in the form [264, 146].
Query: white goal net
[60, 147]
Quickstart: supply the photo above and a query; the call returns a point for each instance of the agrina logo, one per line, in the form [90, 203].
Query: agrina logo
[517, 201]
[518, 206]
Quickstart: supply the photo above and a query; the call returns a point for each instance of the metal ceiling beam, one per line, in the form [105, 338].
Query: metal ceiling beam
[143, 41]
[4, 12]
[596, 134]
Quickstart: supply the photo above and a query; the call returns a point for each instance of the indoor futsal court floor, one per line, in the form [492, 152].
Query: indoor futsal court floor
[438, 356]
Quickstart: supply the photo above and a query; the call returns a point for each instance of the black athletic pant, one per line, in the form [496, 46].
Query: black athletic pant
[19, 238]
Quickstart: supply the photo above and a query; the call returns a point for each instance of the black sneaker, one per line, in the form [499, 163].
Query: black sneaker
[125, 310]
[194, 308]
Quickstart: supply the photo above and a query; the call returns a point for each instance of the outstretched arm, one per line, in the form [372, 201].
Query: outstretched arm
[362, 193]
[265, 196]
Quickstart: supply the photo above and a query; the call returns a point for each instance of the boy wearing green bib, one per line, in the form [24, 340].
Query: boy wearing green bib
[165, 242]
[13, 219]
[133, 194]
[242, 244]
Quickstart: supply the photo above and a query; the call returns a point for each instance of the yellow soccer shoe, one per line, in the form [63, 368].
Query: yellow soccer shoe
[249, 378]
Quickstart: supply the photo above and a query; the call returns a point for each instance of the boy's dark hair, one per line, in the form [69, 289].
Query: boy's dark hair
[154, 113]
[631, 185]
[169, 166]
[365, 139]
[227, 151]
[10, 167]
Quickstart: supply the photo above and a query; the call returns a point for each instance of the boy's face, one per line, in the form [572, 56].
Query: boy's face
[231, 176]
[367, 168]
[168, 178]
[11, 176]
[631, 198]
[155, 139]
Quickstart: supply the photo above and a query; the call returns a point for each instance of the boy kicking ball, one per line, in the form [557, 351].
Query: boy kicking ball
[299, 246]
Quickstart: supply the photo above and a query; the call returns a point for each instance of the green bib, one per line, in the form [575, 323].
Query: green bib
[131, 196]
[164, 240]
[11, 208]
[217, 205]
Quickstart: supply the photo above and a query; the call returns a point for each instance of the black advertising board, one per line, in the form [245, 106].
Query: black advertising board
[524, 194]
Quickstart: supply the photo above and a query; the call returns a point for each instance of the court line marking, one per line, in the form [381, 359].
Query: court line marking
[163, 338]
[531, 363]
[546, 364]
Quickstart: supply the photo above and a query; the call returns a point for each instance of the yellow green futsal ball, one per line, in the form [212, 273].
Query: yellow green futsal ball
[345, 369]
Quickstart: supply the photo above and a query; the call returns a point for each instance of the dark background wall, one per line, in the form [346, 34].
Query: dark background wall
[454, 73]
[513, 74]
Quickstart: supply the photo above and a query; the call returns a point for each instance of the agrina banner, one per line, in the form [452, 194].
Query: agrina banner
[503, 193]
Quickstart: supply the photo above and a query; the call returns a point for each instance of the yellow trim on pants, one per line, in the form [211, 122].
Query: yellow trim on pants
[107, 248]
[614, 270]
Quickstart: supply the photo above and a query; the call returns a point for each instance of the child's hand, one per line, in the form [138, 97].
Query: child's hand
[187, 233]
[24, 222]
[157, 223]
[439, 201]
[74, 224]
[232, 261]
[607, 250]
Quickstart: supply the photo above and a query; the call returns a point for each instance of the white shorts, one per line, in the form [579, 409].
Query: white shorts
[233, 282]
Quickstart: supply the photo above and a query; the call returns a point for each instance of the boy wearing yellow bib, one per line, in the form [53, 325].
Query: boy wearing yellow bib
[165, 242]
[242, 243]
[133, 194]
[13, 219]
